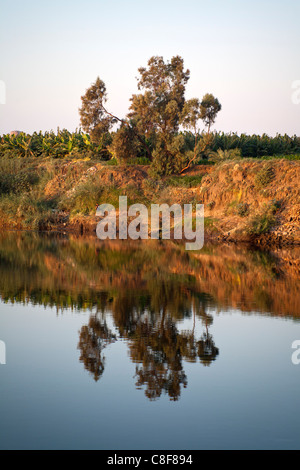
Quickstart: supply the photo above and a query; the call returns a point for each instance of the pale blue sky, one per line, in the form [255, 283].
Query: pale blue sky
[244, 52]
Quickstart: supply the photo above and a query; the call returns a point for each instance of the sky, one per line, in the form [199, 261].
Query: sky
[246, 53]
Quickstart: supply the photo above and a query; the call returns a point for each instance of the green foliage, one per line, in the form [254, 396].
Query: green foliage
[263, 221]
[209, 223]
[158, 113]
[125, 145]
[151, 130]
[169, 156]
[34, 210]
[63, 144]
[255, 146]
[264, 176]
[93, 117]
[139, 161]
[14, 178]
[209, 108]
[84, 199]
[112, 162]
[292, 157]
[184, 181]
[78, 145]
[225, 154]
[158, 109]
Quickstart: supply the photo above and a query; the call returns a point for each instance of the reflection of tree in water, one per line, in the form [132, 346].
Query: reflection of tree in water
[155, 343]
[92, 340]
[206, 349]
[155, 347]
[159, 349]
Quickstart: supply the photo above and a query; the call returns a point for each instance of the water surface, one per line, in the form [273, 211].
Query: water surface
[128, 345]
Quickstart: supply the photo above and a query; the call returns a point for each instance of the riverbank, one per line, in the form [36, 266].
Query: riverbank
[246, 201]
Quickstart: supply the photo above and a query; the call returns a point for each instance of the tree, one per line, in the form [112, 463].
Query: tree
[162, 108]
[152, 125]
[92, 340]
[209, 109]
[156, 113]
[94, 118]
[159, 108]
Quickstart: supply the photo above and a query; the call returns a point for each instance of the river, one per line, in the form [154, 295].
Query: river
[143, 345]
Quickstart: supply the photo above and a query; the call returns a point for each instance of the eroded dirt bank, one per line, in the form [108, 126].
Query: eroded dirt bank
[255, 202]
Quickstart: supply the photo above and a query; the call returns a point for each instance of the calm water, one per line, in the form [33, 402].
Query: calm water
[123, 345]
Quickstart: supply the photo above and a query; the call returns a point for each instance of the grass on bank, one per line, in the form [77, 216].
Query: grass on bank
[263, 221]
[23, 196]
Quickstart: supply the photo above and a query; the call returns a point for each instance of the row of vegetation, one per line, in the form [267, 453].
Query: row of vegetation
[162, 128]
[65, 144]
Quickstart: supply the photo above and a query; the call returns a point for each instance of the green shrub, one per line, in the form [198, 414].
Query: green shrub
[263, 221]
[17, 183]
[185, 181]
[139, 161]
[30, 208]
[154, 184]
[125, 145]
[209, 223]
[113, 162]
[84, 198]
[264, 176]
[169, 157]
[220, 154]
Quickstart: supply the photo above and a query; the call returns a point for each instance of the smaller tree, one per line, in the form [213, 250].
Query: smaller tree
[209, 109]
[93, 117]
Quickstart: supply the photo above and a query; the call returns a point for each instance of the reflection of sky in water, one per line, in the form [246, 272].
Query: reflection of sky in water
[247, 398]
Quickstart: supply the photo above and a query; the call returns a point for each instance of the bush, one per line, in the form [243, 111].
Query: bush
[139, 161]
[125, 145]
[84, 199]
[263, 221]
[17, 183]
[264, 176]
[185, 181]
[225, 154]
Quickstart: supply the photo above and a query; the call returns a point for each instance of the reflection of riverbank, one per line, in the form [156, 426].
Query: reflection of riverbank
[83, 272]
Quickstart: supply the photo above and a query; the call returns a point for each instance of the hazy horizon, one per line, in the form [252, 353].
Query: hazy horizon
[245, 53]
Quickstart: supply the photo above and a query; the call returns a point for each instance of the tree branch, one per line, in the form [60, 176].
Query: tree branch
[194, 157]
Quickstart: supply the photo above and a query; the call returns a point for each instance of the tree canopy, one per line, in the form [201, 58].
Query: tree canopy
[93, 117]
[152, 127]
